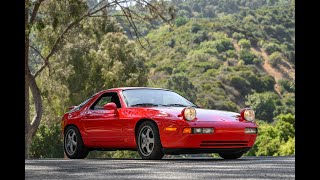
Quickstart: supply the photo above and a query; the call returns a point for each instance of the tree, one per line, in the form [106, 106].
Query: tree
[181, 21]
[58, 18]
[264, 104]
[182, 85]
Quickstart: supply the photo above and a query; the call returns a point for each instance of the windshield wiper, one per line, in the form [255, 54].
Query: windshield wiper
[145, 104]
[178, 105]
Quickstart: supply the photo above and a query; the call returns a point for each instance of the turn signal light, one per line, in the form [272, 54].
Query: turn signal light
[170, 129]
[187, 131]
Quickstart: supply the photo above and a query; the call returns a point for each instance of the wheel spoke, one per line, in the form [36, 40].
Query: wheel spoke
[148, 133]
[74, 143]
[71, 149]
[151, 140]
[143, 145]
[148, 148]
[143, 136]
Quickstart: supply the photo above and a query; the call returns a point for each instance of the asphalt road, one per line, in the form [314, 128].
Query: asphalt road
[195, 168]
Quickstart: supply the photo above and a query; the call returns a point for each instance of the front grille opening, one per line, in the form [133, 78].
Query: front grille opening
[224, 144]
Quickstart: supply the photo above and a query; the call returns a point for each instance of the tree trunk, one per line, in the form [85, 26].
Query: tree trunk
[31, 128]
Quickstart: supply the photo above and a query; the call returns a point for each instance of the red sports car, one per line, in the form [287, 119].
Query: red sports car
[154, 122]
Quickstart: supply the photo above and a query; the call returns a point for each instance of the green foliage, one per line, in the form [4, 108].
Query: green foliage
[286, 86]
[195, 28]
[277, 138]
[223, 45]
[271, 47]
[114, 63]
[48, 142]
[264, 104]
[244, 43]
[288, 148]
[182, 85]
[237, 36]
[181, 21]
[247, 56]
[275, 58]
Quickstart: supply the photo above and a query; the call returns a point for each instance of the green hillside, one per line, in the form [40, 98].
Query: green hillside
[227, 61]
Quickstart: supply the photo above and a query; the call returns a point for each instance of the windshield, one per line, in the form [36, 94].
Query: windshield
[154, 97]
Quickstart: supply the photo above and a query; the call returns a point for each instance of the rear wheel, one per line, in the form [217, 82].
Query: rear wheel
[231, 155]
[148, 141]
[73, 144]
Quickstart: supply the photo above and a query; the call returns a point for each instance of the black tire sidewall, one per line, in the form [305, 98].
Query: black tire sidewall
[231, 155]
[157, 152]
[81, 151]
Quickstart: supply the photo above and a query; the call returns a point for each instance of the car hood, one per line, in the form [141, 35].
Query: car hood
[202, 114]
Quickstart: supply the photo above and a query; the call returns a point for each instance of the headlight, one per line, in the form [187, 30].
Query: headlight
[189, 113]
[248, 114]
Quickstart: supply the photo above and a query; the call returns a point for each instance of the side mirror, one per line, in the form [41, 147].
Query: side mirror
[110, 106]
[71, 107]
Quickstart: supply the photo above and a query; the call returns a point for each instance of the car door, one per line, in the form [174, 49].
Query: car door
[102, 126]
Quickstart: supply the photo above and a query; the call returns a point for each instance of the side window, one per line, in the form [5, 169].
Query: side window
[104, 99]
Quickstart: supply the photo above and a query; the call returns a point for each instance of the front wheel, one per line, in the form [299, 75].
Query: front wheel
[73, 144]
[231, 155]
[148, 141]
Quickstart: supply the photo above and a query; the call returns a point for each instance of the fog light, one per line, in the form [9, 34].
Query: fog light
[207, 130]
[197, 130]
[251, 130]
[202, 130]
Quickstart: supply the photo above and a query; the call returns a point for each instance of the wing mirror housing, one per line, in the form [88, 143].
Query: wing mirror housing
[111, 107]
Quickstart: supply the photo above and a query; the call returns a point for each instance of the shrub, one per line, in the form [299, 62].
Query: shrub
[244, 44]
[195, 28]
[223, 45]
[286, 86]
[271, 47]
[264, 104]
[181, 21]
[275, 58]
[247, 56]
[47, 142]
[237, 36]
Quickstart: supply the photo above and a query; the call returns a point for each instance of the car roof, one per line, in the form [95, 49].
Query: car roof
[127, 88]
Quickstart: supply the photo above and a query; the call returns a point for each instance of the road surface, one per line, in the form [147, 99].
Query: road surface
[192, 168]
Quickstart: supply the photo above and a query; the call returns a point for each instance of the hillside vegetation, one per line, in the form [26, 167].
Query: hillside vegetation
[228, 61]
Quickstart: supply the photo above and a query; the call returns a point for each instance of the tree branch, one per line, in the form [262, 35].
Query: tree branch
[40, 70]
[35, 12]
[132, 24]
[71, 25]
[37, 51]
[46, 62]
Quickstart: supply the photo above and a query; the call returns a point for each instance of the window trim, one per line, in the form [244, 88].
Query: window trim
[91, 107]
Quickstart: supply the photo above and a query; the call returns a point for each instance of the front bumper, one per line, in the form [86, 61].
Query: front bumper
[177, 151]
[225, 136]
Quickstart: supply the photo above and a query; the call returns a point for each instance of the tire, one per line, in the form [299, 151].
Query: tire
[231, 155]
[73, 145]
[148, 141]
